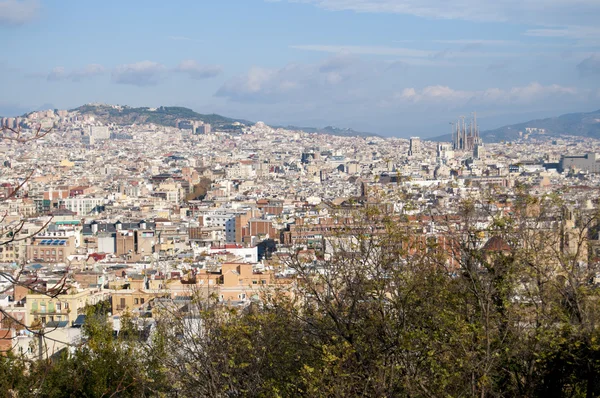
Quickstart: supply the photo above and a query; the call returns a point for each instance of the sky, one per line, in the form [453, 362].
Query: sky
[392, 67]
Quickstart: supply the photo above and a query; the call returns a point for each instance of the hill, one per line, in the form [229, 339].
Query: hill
[168, 116]
[164, 115]
[585, 124]
[342, 132]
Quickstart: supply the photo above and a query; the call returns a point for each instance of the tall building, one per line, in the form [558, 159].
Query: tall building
[444, 152]
[99, 132]
[203, 129]
[465, 137]
[479, 151]
[185, 124]
[415, 146]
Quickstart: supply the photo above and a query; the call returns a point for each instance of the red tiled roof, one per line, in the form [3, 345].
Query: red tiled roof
[496, 244]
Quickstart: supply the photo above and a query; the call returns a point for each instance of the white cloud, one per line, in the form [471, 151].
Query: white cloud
[520, 95]
[57, 73]
[293, 81]
[575, 32]
[590, 66]
[16, 12]
[258, 84]
[345, 78]
[144, 73]
[466, 42]
[366, 50]
[60, 73]
[536, 12]
[196, 71]
[87, 71]
[471, 50]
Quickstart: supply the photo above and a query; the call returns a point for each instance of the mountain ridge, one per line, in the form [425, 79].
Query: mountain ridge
[581, 124]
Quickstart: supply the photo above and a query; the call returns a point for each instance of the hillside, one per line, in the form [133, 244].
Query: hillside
[168, 115]
[164, 115]
[575, 124]
[342, 132]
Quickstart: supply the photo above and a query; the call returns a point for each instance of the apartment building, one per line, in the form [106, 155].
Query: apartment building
[51, 250]
[64, 307]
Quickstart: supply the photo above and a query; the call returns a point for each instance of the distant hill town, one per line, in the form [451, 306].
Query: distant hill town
[164, 115]
[584, 124]
[172, 116]
[169, 115]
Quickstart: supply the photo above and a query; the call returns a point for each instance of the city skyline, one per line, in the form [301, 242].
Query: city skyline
[396, 69]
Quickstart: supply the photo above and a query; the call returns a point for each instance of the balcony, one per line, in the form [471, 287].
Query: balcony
[48, 311]
[45, 312]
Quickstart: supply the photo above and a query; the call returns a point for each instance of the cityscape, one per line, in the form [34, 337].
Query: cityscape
[151, 250]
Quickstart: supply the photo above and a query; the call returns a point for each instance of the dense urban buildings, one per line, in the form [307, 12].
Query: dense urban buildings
[145, 217]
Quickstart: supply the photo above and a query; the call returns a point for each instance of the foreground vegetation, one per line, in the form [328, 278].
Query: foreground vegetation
[385, 315]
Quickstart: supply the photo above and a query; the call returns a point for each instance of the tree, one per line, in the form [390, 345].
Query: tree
[485, 304]
[10, 234]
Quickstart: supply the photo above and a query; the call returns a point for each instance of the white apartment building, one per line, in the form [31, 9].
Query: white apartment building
[223, 218]
[82, 205]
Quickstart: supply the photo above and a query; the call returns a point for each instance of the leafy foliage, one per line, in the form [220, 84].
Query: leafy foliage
[164, 115]
[386, 315]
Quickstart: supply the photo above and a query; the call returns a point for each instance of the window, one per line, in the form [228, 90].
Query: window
[142, 300]
[136, 301]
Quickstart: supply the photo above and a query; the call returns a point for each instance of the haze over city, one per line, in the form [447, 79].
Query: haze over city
[384, 66]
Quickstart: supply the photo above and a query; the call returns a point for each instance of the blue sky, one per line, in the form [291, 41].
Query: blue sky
[394, 67]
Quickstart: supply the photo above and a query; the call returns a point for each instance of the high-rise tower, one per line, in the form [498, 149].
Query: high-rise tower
[415, 146]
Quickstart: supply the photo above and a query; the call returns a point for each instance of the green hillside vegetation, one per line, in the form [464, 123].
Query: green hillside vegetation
[164, 115]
